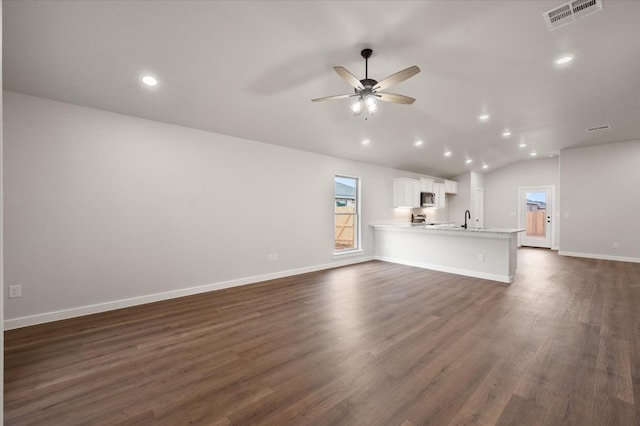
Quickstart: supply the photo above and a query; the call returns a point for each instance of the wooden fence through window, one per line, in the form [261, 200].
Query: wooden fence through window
[345, 234]
[536, 223]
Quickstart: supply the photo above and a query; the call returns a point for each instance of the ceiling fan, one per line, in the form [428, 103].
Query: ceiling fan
[367, 91]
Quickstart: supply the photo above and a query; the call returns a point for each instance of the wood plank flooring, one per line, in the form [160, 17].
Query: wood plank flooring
[368, 344]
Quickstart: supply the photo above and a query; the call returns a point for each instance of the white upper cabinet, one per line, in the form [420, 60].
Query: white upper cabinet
[406, 192]
[426, 185]
[450, 187]
[438, 189]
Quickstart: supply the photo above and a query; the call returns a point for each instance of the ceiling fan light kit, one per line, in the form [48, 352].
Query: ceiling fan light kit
[369, 103]
[356, 107]
[367, 90]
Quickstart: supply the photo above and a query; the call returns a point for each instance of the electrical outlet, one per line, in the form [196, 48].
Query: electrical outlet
[481, 257]
[616, 245]
[15, 291]
[273, 257]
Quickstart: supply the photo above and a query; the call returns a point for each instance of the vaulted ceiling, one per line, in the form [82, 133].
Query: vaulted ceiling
[250, 68]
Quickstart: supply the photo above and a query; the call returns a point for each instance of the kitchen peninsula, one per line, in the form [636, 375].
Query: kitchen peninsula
[489, 253]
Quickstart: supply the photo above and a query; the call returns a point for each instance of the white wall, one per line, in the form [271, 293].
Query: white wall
[477, 182]
[501, 190]
[601, 201]
[461, 201]
[1, 242]
[464, 199]
[101, 208]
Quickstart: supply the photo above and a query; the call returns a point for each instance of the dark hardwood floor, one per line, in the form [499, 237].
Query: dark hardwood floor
[369, 344]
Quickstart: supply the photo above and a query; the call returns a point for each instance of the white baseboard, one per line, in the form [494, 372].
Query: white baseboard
[26, 321]
[600, 256]
[467, 273]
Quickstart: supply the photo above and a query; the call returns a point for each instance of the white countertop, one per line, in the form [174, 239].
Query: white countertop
[445, 227]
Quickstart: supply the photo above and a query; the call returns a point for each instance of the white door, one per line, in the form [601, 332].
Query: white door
[477, 213]
[535, 215]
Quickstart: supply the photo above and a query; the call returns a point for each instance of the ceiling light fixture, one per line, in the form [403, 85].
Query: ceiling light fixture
[149, 80]
[522, 145]
[563, 60]
[418, 143]
[506, 133]
[484, 166]
[468, 161]
[368, 101]
[447, 154]
[368, 90]
[483, 117]
[366, 142]
[533, 154]
[356, 107]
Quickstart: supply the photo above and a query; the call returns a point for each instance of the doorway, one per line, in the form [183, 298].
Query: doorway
[535, 213]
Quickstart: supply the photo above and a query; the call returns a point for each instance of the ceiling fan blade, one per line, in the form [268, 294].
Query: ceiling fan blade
[330, 98]
[397, 99]
[397, 78]
[350, 78]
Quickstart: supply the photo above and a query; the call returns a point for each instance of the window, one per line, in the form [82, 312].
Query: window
[347, 213]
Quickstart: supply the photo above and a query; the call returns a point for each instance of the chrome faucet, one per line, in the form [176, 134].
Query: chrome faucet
[466, 213]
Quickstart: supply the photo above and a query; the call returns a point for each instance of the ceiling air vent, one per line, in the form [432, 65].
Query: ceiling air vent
[599, 128]
[570, 12]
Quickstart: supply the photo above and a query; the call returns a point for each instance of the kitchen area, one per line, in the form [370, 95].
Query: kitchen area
[430, 239]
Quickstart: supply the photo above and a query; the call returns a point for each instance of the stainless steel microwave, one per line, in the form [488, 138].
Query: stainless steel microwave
[427, 199]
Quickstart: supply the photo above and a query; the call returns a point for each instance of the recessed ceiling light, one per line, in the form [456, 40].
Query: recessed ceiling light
[506, 133]
[366, 142]
[447, 154]
[484, 166]
[149, 80]
[483, 117]
[418, 143]
[522, 145]
[468, 161]
[533, 154]
[563, 60]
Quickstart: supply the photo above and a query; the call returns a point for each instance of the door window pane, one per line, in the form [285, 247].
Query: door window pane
[536, 214]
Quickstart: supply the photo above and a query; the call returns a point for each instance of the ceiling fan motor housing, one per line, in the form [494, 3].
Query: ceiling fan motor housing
[368, 82]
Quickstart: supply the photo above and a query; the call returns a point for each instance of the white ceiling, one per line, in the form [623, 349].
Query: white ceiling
[249, 69]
